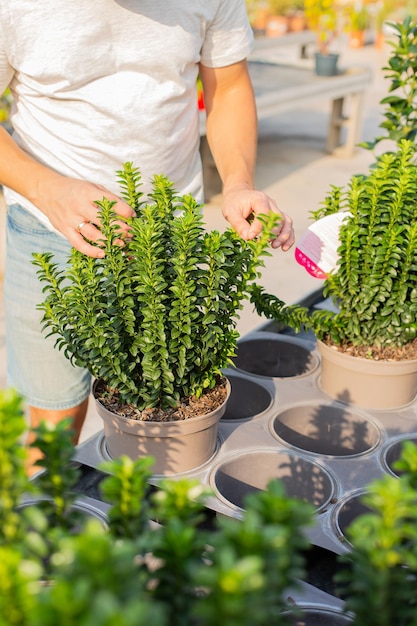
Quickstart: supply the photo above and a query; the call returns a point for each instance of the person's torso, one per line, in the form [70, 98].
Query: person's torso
[102, 82]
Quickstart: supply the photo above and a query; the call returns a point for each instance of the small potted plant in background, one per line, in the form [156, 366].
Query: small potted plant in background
[385, 11]
[322, 17]
[154, 322]
[357, 21]
[278, 21]
[276, 17]
[258, 13]
[297, 16]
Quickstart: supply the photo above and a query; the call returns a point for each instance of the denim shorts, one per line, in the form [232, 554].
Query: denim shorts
[35, 368]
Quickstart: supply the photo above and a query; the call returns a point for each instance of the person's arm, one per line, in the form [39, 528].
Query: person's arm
[232, 134]
[67, 202]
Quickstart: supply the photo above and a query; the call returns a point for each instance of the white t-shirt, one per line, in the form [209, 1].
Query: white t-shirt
[100, 82]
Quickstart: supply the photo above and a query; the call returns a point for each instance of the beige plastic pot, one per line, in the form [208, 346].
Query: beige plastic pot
[367, 383]
[177, 446]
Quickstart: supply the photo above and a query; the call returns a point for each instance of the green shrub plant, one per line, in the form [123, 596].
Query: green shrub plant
[157, 562]
[155, 319]
[375, 282]
[373, 287]
[381, 577]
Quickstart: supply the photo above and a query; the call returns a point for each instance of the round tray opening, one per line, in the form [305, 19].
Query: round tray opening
[349, 510]
[246, 400]
[83, 511]
[394, 452]
[326, 429]
[276, 358]
[246, 473]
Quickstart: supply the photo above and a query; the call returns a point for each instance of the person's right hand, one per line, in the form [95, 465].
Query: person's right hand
[70, 205]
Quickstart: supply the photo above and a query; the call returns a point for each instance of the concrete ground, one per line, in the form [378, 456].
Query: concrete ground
[293, 168]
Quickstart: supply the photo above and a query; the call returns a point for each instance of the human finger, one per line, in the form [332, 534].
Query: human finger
[81, 243]
[91, 231]
[284, 232]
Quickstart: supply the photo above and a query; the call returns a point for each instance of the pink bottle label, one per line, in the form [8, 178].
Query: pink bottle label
[317, 248]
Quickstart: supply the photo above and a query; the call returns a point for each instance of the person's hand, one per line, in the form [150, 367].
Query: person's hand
[240, 208]
[70, 205]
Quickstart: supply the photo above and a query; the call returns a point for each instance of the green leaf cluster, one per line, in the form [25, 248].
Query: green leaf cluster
[36, 515]
[375, 282]
[159, 562]
[256, 560]
[400, 111]
[381, 576]
[13, 481]
[155, 319]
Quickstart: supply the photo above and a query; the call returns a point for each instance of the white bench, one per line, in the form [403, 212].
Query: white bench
[280, 88]
[297, 40]
[285, 86]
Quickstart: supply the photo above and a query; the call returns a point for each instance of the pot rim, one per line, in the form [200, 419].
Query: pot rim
[161, 428]
[362, 363]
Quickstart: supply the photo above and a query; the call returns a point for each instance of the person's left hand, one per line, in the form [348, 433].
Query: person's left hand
[240, 208]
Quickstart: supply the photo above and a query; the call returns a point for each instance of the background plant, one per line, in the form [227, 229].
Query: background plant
[407, 463]
[381, 577]
[280, 7]
[179, 546]
[322, 17]
[56, 446]
[180, 571]
[375, 282]
[400, 112]
[154, 319]
[126, 488]
[5, 106]
[13, 480]
[96, 581]
[169, 568]
[255, 561]
[16, 572]
[357, 17]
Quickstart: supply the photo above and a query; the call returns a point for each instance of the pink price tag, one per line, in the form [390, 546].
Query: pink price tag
[317, 249]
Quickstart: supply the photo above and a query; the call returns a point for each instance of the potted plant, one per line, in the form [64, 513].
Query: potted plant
[297, 16]
[357, 22]
[154, 322]
[373, 284]
[278, 21]
[322, 18]
[258, 13]
[373, 288]
[385, 10]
